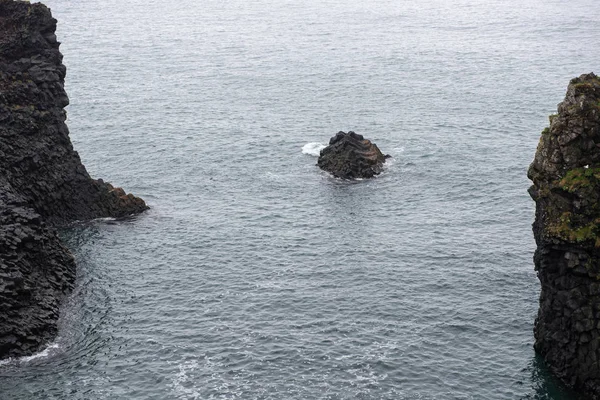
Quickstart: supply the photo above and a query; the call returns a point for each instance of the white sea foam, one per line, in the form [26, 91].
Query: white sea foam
[42, 354]
[104, 219]
[182, 382]
[313, 149]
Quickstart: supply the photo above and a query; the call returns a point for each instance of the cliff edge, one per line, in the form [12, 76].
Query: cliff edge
[43, 183]
[566, 189]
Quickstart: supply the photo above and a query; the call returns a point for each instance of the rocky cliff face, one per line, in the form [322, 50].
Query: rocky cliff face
[42, 181]
[351, 156]
[566, 189]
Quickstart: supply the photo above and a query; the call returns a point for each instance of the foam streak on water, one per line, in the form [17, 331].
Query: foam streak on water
[258, 276]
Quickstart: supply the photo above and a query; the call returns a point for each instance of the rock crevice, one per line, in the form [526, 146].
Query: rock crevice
[43, 183]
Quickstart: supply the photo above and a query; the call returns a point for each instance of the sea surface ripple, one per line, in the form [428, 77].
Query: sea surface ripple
[257, 276]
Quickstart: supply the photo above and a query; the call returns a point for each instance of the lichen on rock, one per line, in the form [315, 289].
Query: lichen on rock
[43, 183]
[350, 156]
[566, 188]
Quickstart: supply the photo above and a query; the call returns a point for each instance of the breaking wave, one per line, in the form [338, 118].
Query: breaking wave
[313, 149]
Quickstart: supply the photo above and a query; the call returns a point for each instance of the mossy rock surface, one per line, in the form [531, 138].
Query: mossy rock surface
[566, 189]
[566, 168]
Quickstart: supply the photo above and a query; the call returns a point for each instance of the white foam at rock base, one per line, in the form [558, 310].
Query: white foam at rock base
[313, 149]
[44, 353]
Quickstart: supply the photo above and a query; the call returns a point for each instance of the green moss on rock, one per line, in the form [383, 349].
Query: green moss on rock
[566, 228]
[579, 178]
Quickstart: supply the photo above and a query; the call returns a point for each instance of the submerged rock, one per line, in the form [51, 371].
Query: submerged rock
[351, 156]
[566, 189]
[42, 180]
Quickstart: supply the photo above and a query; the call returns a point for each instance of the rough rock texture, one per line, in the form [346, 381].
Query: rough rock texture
[351, 156]
[36, 271]
[566, 189]
[42, 181]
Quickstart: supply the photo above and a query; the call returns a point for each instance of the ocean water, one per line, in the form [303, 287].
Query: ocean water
[257, 276]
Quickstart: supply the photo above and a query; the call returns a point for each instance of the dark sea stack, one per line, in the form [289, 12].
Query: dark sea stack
[351, 156]
[43, 183]
[566, 189]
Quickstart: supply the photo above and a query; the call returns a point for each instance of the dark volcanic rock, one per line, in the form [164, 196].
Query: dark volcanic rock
[35, 151]
[351, 156]
[36, 271]
[566, 189]
[42, 181]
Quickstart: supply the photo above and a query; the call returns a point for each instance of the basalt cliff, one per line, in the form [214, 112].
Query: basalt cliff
[566, 190]
[350, 156]
[43, 183]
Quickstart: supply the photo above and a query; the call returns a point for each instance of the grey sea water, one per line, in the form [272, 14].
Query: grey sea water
[257, 276]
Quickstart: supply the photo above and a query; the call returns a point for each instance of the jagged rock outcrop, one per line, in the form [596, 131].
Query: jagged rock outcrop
[42, 180]
[351, 156]
[566, 189]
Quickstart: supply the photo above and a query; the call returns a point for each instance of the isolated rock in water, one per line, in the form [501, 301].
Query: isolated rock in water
[350, 156]
[566, 189]
[42, 181]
